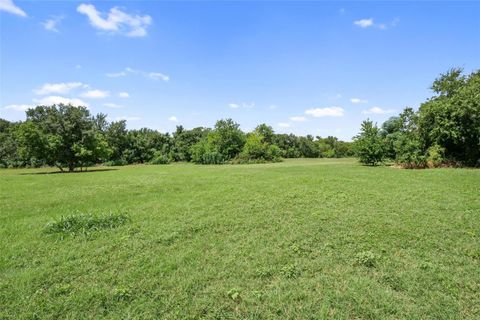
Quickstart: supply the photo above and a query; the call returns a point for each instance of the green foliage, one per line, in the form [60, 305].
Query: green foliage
[227, 138]
[183, 140]
[445, 129]
[266, 132]
[435, 156]
[369, 144]
[63, 136]
[160, 158]
[115, 162]
[451, 119]
[257, 150]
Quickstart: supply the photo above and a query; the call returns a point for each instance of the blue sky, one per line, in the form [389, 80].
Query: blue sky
[304, 67]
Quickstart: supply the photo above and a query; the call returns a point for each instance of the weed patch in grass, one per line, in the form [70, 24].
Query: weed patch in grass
[366, 258]
[85, 223]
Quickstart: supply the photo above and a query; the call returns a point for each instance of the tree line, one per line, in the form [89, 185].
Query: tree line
[69, 137]
[445, 131]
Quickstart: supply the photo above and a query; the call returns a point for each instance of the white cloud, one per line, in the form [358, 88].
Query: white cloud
[63, 88]
[116, 74]
[158, 76]
[112, 105]
[298, 118]
[124, 95]
[358, 100]
[127, 118]
[272, 107]
[364, 23]
[51, 24]
[325, 112]
[78, 66]
[377, 110]
[173, 119]
[49, 100]
[9, 6]
[284, 125]
[150, 75]
[19, 107]
[116, 21]
[95, 94]
[242, 105]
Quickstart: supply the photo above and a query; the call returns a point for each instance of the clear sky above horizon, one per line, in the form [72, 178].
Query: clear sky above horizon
[315, 68]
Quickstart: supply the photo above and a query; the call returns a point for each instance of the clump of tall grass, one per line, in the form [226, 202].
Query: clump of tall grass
[82, 223]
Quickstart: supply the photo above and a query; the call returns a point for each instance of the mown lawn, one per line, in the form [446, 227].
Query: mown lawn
[302, 239]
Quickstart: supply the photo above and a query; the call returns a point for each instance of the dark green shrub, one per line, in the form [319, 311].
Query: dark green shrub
[160, 158]
[368, 144]
[212, 157]
[116, 163]
[409, 152]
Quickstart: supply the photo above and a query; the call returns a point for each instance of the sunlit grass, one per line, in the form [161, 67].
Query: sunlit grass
[297, 239]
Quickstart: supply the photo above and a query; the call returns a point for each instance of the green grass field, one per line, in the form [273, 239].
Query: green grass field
[301, 239]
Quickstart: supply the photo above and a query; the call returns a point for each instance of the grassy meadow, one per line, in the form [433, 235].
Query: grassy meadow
[300, 239]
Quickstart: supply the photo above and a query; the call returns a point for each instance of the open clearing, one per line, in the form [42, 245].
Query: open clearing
[298, 239]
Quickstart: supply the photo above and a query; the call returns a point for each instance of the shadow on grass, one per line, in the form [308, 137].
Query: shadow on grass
[68, 172]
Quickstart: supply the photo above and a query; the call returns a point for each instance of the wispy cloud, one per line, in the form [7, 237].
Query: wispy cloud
[124, 94]
[116, 74]
[51, 24]
[95, 94]
[62, 88]
[378, 110]
[150, 75]
[366, 23]
[116, 21]
[284, 125]
[325, 112]
[9, 6]
[158, 76]
[112, 105]
[49, 100]
[173, 119]
[242, 105]
[298, 118]
[358, 100]
[19, 107]
[272, 107]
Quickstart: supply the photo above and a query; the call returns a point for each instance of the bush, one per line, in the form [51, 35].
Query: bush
[409, 152]
[369, 144]
[116, 163]
[205, 153]
[435, 156]
[160, 158]
[212, 157]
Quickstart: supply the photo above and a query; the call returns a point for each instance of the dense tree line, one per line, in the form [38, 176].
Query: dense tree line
[444, 131]
[69, 137]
